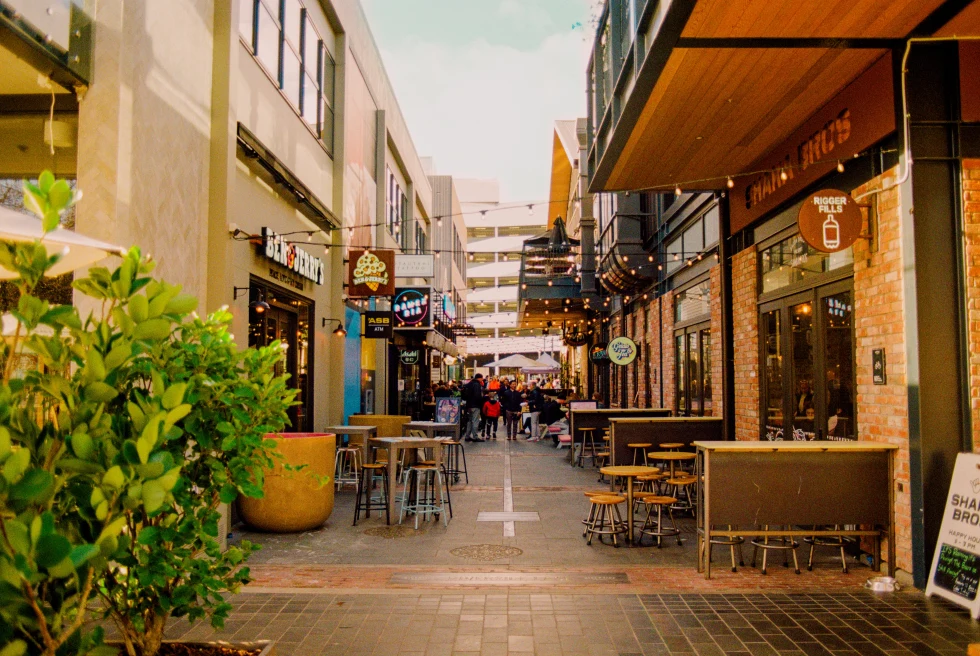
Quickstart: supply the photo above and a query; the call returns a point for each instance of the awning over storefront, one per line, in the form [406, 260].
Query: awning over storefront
[722, 83]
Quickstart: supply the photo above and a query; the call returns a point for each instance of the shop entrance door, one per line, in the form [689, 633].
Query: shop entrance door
[692, 367]
[287, 320]
[807, 365]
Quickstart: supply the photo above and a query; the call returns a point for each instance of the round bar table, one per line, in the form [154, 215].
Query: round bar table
[671, 457]
[629, 472]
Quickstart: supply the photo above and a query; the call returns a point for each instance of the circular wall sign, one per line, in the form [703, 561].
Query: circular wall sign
[622, 351]
[598, 354]
[830, 220]
[411, 307]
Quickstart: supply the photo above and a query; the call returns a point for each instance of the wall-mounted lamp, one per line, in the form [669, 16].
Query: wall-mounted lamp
[340, 331]
[260, 306]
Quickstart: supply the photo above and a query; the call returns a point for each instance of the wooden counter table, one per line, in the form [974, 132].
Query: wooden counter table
[797, 485]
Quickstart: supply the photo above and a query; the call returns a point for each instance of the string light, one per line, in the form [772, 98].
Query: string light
[730, 183]
[309, 237]
[650, 258]
[840, 166]
[677, 191]
[783, 175]
[530, 210]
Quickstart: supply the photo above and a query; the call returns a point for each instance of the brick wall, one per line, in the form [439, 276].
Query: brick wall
[717, 377]
[667, 341]
[745, 325]
[971, 220]
[882, 410]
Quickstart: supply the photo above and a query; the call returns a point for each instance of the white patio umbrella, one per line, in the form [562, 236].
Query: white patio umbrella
[78, 250]
[516, 361]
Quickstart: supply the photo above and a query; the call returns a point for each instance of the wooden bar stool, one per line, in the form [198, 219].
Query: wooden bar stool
[656, 528]
[671, 446]
[590, 517]
[835, 541]
[607, 519]
[782, 545]
[637, 447]
[650, 482]
[365, 501]
[588, 442]
[730, 542]
[680, 488]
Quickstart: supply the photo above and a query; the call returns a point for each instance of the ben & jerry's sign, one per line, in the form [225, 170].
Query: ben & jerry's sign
[371, 273]
[291, 256]
[856, 118]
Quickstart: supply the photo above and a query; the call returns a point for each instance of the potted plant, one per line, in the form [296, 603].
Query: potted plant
[116, 452]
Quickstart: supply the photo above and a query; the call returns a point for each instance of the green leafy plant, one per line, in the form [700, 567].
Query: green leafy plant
[118, 443]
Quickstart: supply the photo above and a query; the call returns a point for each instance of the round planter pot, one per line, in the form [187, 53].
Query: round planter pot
[294, 501]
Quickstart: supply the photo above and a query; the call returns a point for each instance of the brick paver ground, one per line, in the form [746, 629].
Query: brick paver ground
[359, 590]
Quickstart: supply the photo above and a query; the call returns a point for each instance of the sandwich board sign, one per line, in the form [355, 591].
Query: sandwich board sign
[955, 573]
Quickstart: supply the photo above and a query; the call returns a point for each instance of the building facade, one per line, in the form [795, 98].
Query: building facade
[737, 312]
[247, 156]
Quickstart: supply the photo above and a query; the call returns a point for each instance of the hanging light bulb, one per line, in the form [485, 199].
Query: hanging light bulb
[782, 175]
[309, 236]
[471, 257]
[677, 256]
[505, 257]
[437, 254]
[438, 220]
[650, 258]
[840, 166]
[660, 267]
[730, 183]
[677, 191]
[530, 210]
[550, 283]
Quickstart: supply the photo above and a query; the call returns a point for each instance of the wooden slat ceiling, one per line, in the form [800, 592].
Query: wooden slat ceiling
[715, 111]
[807, 18]
[967, 22]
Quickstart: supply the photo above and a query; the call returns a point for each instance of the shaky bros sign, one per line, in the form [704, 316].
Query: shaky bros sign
[291, 256]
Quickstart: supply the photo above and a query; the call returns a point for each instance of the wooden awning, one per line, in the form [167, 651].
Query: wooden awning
[742, 75]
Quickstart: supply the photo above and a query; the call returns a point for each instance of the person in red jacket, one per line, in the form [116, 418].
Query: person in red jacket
[491, 412]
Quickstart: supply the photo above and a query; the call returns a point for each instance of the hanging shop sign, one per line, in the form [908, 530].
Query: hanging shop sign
[829, 220]
[598, 354]
[291, 256]
[448, 307]
[370, 273]
[410, 357]
[411, 307]
[879, 374]
[857, 118]
[622, 351]
[955, 573]
[378, 324]
[414, 266]
[576, 339]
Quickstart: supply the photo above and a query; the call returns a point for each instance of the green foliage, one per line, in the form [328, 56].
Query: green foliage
[116, 450]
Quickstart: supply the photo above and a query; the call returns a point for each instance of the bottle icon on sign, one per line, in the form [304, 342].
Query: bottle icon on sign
[831, 232]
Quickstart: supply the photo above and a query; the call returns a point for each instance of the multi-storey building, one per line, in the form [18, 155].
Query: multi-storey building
[245, 144]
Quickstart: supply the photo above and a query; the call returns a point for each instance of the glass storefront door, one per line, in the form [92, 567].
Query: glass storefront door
[692, 353]
[807, 341]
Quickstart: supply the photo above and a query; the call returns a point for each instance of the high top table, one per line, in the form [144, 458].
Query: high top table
[629, 473]
[670, 456]
[396, 444]
[363, 433]
[432, 428]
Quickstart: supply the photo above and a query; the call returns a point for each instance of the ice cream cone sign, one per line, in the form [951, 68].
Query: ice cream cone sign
[371, 273]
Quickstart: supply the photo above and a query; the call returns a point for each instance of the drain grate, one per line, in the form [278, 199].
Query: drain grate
[486, 552]
[391, 532]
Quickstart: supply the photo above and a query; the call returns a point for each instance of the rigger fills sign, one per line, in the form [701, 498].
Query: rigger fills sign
[291, 256]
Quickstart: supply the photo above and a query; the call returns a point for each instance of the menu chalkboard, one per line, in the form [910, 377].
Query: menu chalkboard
[955, 573]
[958, 571]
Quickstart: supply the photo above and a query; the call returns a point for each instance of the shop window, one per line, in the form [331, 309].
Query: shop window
[246, 24]
[419, 238]
[693, 302]
[328, 72]
[772, 367]
[268, 37]
[791, 260]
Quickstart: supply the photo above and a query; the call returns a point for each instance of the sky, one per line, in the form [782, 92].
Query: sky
[481, 82]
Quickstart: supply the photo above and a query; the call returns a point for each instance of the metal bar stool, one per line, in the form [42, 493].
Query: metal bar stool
[836, 541]
[445, 475]
[347, 466]
[732, 543]
[424, 494]
[367, 502]
[656, 528]
[588, 442]
[781, 545]
[637, 447]
[607, 519]
[453, 454]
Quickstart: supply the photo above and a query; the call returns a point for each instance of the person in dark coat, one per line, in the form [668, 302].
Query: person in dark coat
[511, 400]
[472, 394]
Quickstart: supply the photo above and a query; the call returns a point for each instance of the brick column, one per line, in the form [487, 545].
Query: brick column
[879, 316]
[717, 364]
[971, 228]
[745, 323]
[667, 344]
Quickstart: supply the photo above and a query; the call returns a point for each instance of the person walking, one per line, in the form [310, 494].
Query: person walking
[472, 393]
[491, 413]
[511, 401]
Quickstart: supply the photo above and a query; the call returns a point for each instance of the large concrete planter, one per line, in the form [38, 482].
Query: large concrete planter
[268, 647]
[294, 500]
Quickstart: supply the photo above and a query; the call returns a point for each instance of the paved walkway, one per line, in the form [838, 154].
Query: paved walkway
[483, 588]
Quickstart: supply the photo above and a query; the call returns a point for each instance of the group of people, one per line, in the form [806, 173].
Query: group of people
[487, 401]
